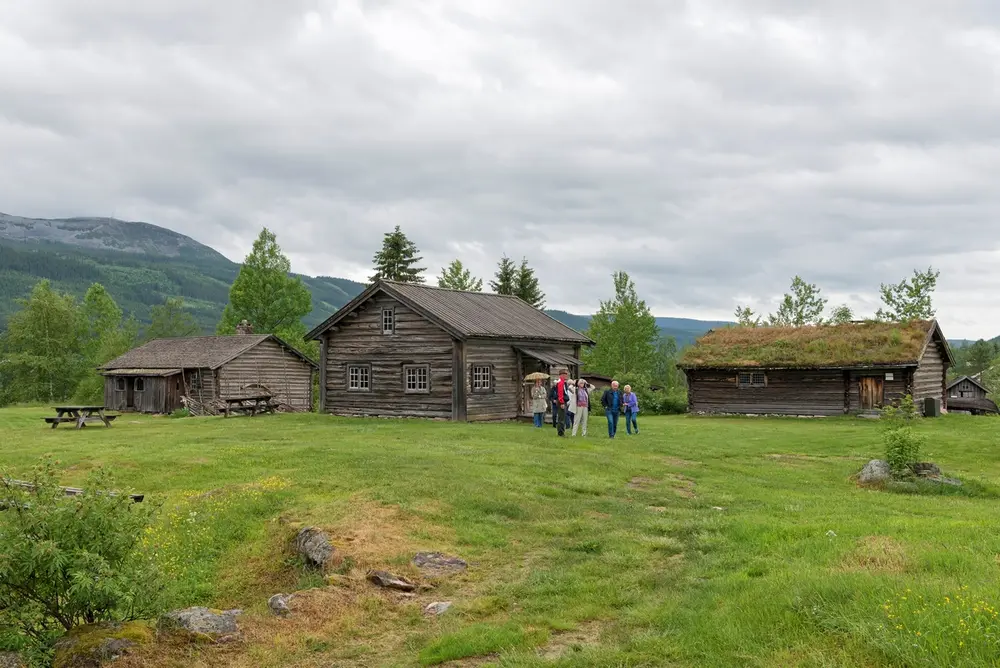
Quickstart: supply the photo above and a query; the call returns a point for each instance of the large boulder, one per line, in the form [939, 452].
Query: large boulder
[93, 645]
[314, 546]
[202, 622]
[875, 472]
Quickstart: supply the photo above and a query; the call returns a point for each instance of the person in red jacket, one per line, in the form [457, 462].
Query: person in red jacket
[562, 397]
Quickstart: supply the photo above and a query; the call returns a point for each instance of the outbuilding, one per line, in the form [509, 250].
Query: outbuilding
[153, 377]
[816, 370]
[409, 350]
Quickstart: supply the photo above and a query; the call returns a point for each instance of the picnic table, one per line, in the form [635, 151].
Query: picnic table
[80, 415]
[248, 404]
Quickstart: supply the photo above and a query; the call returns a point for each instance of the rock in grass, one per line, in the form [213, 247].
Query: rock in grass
[876, 471]
[437, 563]
[926, 470]
[314, 546]
[202, 621]
[278, 604]
[389, 581]
[11, 660]
[438, 608]
[94, 645]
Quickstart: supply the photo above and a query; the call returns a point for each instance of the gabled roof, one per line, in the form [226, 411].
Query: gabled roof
[193, 352]
[853, 345]
[971, 380]
[466, 314]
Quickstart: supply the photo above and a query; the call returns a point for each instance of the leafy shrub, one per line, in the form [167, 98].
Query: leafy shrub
[902, 445]
[181, 413]
[69, 561]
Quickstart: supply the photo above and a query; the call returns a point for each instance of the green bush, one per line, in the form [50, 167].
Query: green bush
[902, 445]
[181, 413]
[66, 561]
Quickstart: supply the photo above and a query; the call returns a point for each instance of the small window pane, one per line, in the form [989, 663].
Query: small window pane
[388, 321]
[140, 385]
[757, 379]
[416, 378]
[120, 384]
[482, 377]
[359, 378]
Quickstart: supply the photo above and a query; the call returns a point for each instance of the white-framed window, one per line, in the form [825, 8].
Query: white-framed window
[416, 378]
[120, 384]
[752, 379]
[482, 378]
[359, 377]
[140, 384]
[388, 321]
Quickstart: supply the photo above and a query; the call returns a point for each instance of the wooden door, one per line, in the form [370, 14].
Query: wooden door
[130, 393]
[872, 392]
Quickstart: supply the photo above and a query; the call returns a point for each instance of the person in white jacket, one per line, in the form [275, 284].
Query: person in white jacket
[582, 406]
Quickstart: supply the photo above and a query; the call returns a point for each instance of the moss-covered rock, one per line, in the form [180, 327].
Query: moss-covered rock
[95, 644]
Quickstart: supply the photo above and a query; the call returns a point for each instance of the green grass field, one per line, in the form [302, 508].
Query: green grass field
[701, 542]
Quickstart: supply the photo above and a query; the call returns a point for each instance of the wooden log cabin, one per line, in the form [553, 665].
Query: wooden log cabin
[153, 377]
[816, 370]
[406, 350]
[968, 395]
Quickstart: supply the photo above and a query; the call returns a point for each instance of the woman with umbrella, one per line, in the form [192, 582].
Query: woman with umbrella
[538, 397]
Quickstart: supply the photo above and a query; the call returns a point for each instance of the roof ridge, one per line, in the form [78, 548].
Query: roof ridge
[438, 287]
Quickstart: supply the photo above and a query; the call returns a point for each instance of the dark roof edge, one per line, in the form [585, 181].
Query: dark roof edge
[935, 328]
[342, 312]
[764, 367]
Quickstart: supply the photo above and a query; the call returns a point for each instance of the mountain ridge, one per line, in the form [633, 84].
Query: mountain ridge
[141, 264]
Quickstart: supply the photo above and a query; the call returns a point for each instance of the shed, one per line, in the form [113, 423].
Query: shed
[816, 370]
[968, 395]
[408, 350]
[153, 377]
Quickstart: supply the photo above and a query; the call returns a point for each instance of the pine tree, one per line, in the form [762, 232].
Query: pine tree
[526, 286]
[505, 282]
[397, 259]
[457, 277]
[266, 295]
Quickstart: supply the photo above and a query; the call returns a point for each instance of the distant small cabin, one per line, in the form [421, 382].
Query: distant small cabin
[968, 395]
[406, 350]
[816, 370]
[153, 377]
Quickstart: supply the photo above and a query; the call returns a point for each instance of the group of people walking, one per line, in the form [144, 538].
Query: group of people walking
[570, 403]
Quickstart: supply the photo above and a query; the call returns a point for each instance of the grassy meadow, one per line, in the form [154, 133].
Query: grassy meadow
[701, 542]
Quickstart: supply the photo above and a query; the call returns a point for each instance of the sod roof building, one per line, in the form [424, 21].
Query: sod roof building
[816, 370]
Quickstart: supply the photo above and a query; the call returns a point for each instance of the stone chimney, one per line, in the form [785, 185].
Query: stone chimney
[244, 328]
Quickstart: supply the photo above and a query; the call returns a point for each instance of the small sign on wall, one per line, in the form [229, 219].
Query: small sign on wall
[890, 376]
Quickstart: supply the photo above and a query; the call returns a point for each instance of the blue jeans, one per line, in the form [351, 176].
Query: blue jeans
[612, 422]
[630, 421]
[539, 419]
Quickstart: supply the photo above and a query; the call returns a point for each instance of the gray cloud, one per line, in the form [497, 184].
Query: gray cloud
[711, 148]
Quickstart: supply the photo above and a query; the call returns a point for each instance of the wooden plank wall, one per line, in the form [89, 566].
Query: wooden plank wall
[359, 339]
[113, 399]
[788, 392]
[930, 378]
[206, 392]
[269, 364]
[971, 389]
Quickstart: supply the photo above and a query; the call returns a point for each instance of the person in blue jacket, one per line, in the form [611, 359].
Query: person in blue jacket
[612, 402]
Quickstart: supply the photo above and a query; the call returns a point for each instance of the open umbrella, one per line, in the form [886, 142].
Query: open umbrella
[538, 375]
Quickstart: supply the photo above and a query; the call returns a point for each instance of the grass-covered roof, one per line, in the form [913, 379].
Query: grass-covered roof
[851, 345]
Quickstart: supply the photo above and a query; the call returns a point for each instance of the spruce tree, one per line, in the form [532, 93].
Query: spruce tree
[456, 277]
[505, 282]
[397, 260]
[526, 286]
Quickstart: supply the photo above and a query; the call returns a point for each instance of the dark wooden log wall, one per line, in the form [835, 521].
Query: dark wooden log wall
[507, 399]
[113, 399]
[359, 339]
[159, 394]
[788, 392]
[269, 364]
[930, 378]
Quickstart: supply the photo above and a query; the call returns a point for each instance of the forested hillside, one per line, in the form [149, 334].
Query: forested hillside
[140, 264]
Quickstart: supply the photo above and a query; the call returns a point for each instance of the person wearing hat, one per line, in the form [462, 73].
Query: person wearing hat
[562, 397]
[538, 403]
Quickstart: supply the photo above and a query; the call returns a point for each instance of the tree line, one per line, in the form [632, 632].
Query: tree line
[910, 299]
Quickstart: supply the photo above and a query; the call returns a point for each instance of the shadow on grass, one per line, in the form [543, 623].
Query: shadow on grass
[972, 489]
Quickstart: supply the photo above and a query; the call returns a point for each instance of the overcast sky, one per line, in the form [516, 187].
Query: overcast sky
[713, 149]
